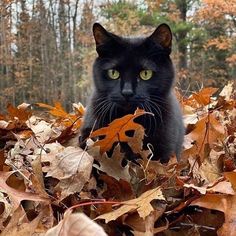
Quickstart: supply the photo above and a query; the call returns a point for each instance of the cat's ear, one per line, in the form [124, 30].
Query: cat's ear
[163, 36]
[101, 36]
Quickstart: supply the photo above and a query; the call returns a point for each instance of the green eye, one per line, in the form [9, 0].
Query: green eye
[113, 74]
[146, 74]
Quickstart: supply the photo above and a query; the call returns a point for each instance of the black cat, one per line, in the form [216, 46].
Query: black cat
[136, 72]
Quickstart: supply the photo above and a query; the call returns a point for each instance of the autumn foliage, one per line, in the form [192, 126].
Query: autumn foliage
[50, 186]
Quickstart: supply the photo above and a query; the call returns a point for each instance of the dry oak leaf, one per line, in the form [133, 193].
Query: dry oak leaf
[227, 91]
[209, 170]
[207, 130]
[76, 224]
[68, 119]
[56, 110]
[116, 130]
[6, 210]
[20, 226]
[119, 190]
[224, 203]
[43, 130]
[142, 226]
[113, 165]
[142, 205]
[204, 95]
[21, 112]
[17, 196]
[72, 166]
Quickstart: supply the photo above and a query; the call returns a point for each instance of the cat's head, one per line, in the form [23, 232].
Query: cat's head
[130, 71]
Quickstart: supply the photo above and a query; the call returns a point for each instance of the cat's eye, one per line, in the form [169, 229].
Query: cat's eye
[146, 74]
[113, 74]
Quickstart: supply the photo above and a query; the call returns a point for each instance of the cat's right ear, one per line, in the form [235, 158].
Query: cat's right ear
[163, 36]
[100, 35]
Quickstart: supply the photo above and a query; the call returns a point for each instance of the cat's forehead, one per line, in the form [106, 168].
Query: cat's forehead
[134, 41]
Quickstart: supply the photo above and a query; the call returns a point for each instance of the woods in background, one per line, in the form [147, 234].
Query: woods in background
[47, 48]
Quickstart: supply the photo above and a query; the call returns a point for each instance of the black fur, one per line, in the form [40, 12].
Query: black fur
[112, 99]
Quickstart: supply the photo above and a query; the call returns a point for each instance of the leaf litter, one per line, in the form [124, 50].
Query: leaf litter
[50, 187]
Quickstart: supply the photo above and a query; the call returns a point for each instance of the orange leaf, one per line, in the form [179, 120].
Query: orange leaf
[57, 110]
[20, 112]
[207, 130]
[204, 95]
[116, 130]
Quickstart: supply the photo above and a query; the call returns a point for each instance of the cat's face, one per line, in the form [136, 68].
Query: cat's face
[133, 72]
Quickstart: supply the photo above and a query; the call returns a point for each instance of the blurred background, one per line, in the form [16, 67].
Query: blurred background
[47, 49]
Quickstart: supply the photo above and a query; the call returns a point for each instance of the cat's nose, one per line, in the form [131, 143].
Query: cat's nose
[127, 91]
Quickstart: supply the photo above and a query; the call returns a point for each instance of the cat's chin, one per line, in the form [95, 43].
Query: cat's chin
[127, 106]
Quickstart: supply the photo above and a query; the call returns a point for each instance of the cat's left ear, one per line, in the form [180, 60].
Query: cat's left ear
[163, 36]
[101, 36]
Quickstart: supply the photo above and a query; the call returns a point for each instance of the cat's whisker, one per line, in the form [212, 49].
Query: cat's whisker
[147, 105]
[99, 106]
[143, 118]
[156, 108]
[104, 113]
[158, 105]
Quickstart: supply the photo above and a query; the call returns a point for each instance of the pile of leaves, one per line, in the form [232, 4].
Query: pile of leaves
[50, 186]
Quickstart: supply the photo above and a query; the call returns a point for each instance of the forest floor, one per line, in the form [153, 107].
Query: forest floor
[50, 186]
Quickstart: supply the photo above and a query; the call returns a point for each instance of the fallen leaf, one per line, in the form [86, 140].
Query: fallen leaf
[6, 211]
[231, 176]
[207, 131]
[116, 131]
[17, 196]
[204, 95]
[142, 204]
[113, 165]
[56, 110]
[76, 224]
[21, 112]
[227, 91]
[224, 203]
[121, 188]
[72, 167]
[20, 226]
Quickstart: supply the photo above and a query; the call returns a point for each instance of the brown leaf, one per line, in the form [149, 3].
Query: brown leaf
[142, 204]
[66, 119]
[203, 96]
[112, 166]
[231, 176]
[21, 112]
[140, 225]
[2, 159]
[17, 196]
[57, 110]
[116, 131]
[224, 203]
[42, 130]
[76, 224]
[222, 187]
[72, 166]
[5, 209]
[121, 188]
[207, 131]
[19, 225]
